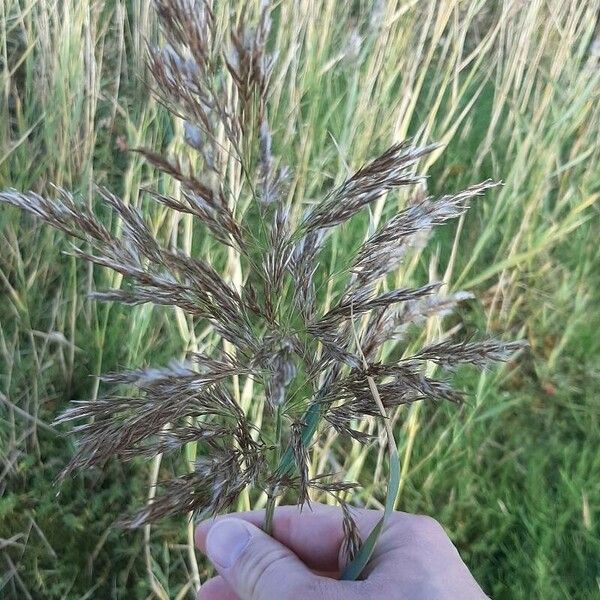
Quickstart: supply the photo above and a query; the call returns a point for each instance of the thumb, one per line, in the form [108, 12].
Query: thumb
[256, 566]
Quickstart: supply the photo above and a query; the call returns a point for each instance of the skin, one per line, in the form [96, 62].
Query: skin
[414, 559]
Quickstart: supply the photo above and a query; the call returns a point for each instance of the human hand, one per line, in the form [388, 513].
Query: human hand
[413, 560]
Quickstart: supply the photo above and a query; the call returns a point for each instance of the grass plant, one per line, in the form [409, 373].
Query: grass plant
[511, 91]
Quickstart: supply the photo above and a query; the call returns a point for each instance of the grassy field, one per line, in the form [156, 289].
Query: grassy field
[512, 91]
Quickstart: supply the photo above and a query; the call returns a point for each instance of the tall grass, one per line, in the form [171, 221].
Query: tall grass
[510, 88]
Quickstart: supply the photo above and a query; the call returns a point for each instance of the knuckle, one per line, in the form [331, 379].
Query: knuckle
[426, 528]
[261, 569]
[304, 590]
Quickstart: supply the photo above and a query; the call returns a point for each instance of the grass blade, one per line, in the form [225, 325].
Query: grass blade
[355, 567]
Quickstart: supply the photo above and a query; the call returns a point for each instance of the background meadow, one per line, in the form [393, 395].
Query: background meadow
[510, 89]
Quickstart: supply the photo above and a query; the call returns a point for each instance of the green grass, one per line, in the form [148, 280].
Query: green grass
[512, 89]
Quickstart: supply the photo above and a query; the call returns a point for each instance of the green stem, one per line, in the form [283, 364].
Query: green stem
[311, 420]
[270, 507]
[278, 420]
[269, 512]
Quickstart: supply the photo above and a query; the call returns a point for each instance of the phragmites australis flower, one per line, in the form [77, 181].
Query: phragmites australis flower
[313, 367]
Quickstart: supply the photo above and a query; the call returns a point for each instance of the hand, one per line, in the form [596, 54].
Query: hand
[413, 560]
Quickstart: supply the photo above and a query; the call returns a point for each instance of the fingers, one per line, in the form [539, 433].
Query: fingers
[299, 530]
[216, 589]
[413, 557]
[416, 555]
[254, 565]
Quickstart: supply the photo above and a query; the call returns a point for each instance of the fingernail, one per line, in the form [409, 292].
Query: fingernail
[226, 541]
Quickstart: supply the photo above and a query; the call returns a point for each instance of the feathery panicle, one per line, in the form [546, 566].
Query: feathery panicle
[356, 305]
[301, 460]
[248, 62]
[352, 539]
[302, 267]
[208, 205]
[390, 170]
[215, 484]
[62, 212]
[393, 323]
[448, 354]
[306, 362]
[385, 249]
